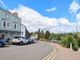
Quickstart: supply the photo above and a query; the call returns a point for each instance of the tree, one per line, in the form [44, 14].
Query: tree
[42, 35]
[47, 35]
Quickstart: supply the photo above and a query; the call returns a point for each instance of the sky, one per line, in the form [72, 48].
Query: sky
[52, 15]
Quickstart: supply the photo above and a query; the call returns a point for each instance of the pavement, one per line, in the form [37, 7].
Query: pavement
[35, 51]
[66, 54]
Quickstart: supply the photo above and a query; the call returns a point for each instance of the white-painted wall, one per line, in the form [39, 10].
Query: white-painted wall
[23, 31]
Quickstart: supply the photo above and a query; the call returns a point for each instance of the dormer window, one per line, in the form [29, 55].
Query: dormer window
[3, 19]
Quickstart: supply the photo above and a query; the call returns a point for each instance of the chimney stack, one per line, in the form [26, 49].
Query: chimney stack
[15, 13]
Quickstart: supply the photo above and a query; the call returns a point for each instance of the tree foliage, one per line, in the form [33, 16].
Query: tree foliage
[47, 35]
[42, 34]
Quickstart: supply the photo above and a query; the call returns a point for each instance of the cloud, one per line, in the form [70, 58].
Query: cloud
[75, 10]
[34, 20]
[51, 9]
[2, 4]
[65, 25]
[74, 7]
[78, 16]
[64, 21]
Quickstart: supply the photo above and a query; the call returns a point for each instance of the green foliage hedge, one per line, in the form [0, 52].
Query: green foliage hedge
[66, 40]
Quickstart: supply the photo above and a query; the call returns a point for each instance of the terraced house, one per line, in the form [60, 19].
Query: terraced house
[10, 24]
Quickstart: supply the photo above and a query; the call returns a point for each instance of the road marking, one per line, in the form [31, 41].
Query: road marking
[52, 55]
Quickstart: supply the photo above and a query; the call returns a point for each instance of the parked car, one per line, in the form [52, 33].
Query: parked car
[2, 40]
[19, 40]
[2, 43]
[7, 40]
[31, 40]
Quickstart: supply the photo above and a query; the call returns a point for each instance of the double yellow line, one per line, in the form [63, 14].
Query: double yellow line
[52, 55]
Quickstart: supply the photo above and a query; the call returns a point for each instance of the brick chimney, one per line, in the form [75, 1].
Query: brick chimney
[15, 13]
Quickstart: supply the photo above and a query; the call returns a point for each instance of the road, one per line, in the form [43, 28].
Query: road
[35, 51]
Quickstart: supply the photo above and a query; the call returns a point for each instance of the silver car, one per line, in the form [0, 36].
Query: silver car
[19, 40]
[31, 40]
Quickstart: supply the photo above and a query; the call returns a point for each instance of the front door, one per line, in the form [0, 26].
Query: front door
[2, 35]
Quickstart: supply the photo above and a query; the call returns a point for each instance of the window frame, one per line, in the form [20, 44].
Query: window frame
[15, 26]
[7, 24]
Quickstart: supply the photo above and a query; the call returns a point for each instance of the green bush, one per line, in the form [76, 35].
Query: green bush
[66, 40]
[75, 45]
[78, 40]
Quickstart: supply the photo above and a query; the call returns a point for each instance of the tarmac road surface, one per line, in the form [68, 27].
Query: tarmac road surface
[35, 51]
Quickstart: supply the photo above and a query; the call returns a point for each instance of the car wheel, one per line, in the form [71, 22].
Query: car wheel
[29, 42]
[3, 45]
[32, 41]
[21, 43]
